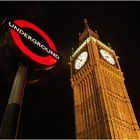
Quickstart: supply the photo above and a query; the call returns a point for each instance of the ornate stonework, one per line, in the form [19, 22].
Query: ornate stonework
[102, 105]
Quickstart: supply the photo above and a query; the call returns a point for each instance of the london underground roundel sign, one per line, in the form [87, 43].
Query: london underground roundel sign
[17, 30]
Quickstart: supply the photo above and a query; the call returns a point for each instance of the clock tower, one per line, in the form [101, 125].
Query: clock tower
[101, 103]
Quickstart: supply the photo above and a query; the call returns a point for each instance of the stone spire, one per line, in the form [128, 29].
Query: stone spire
[87, 31]
[86, 23]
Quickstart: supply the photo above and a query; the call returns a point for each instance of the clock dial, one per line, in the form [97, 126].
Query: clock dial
[108, 57]
[81, 60]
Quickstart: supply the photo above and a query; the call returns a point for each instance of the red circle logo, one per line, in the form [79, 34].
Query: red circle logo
[17, 29]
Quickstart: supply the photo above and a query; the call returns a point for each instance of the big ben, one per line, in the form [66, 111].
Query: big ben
[101, 103]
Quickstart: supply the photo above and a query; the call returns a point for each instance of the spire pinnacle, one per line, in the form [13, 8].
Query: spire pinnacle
[87, 31]
[86, 23]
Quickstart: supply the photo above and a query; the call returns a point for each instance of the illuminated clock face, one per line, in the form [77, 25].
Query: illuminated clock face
[108, 57]
[81, 60]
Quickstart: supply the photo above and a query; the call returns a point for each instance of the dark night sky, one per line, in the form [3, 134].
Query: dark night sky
[47, 110]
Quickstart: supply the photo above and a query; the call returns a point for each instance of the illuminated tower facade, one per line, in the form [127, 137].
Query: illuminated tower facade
[101, 102]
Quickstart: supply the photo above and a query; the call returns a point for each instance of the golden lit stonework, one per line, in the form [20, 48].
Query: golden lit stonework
[102, 106]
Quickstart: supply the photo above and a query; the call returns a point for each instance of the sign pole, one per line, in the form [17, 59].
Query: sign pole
[46, 59]
[10, 122]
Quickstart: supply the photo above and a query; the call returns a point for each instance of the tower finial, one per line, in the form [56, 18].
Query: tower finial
[86, 23]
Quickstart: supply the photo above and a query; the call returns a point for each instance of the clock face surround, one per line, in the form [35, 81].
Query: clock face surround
[81, 60]
[107, 56]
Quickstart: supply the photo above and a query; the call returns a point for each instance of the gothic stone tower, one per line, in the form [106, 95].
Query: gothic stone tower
[101, 102]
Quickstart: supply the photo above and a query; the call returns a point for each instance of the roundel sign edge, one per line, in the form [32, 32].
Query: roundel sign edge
[43, 60]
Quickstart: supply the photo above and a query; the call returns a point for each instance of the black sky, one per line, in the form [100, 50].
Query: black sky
[47, 110]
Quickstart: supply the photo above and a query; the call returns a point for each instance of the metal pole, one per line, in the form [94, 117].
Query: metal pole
[9, 126]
